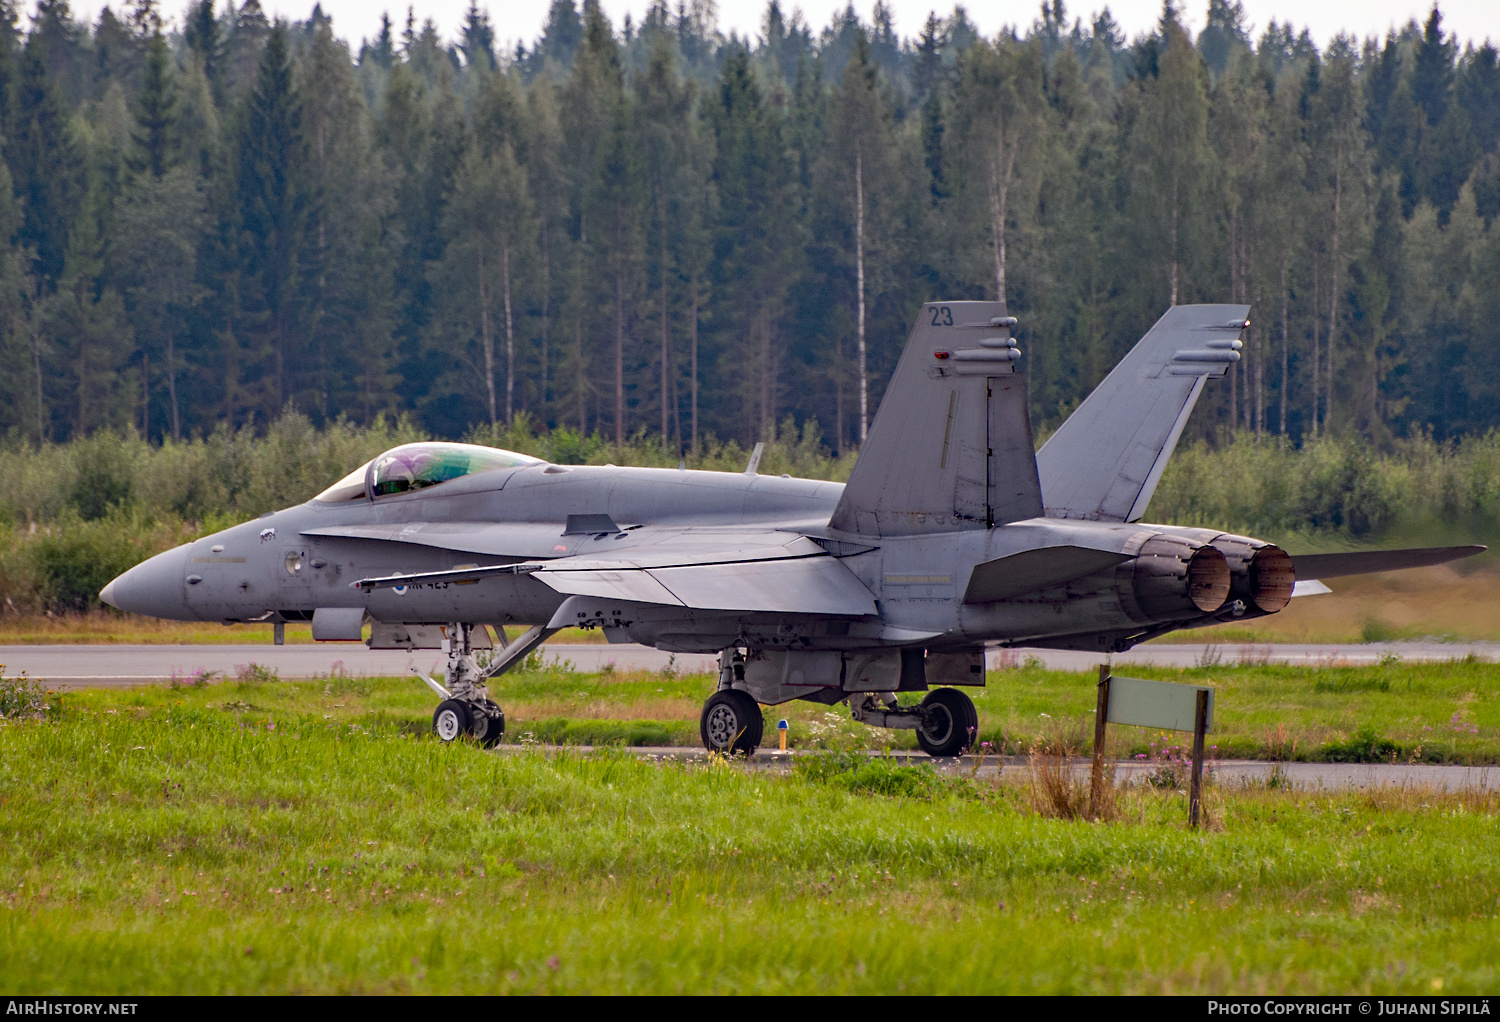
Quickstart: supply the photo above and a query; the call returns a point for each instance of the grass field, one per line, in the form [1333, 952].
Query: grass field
[1422, 712]
[1410, 712]
[311, 837]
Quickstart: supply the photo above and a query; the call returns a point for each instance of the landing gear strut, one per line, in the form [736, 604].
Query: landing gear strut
[466, 707]
[945, 721]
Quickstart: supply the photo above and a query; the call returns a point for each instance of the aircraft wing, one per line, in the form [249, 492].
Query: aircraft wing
[1104, 462]
[815, 584]
[1366, 562]
[790, 575]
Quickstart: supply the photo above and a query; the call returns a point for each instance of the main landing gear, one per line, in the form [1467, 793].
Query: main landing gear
[949, 723]
[945, 720]
[466, 708]
[731, 722]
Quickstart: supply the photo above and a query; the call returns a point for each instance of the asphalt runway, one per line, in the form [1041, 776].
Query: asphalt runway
[88, 666]
[1308, 777]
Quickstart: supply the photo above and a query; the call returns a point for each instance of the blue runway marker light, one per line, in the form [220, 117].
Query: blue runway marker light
[781, 727]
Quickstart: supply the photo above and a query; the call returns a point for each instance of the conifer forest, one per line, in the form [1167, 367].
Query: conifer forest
[654, 229]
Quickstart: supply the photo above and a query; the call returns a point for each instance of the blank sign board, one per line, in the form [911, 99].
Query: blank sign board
[1156, 704]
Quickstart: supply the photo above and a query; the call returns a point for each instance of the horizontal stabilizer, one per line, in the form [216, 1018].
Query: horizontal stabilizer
[1031, 570]
[1367, 562]
[1104, 462]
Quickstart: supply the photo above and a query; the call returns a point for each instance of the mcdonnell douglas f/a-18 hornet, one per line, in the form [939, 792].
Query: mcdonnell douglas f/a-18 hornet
[953, 534]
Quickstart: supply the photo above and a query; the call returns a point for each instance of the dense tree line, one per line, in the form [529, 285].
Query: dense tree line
[655, 228]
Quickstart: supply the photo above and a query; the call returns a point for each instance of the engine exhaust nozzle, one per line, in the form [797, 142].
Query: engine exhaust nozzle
[1260, 573]
[1178, 578]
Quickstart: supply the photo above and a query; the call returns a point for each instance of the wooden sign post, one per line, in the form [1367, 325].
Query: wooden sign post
[1101, 715]
[1157, 704]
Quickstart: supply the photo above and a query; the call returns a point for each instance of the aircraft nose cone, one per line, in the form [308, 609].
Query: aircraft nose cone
[154, 587]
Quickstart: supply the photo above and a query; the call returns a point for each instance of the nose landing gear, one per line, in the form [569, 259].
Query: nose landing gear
[466, 707]
[484, 723]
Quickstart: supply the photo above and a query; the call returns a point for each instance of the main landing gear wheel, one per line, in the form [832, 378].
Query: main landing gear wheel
[952, 723]
[731, 723]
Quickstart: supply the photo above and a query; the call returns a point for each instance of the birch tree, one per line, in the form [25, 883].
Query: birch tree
[488, 221]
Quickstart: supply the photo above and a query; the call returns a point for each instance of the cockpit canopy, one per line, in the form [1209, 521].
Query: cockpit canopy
[418, 466]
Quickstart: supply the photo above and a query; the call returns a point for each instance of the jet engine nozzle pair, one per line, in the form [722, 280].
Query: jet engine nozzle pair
[1180, 576]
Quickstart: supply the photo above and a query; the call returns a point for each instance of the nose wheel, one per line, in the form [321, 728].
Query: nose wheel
[484, 722]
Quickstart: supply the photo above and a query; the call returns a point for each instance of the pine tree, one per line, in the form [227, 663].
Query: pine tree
[383, 50]
[275, 213]
[155, 136]
[478, 45]
[1170, 154]
[561, 38]
[47, 168]
[755, 242]
[663, 105]
[201, 33]
[89, 328]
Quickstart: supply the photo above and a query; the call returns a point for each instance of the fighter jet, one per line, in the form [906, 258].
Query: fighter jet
[952, 535]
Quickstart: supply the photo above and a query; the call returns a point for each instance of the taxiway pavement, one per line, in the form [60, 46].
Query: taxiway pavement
[1310, 777]
[86, 666]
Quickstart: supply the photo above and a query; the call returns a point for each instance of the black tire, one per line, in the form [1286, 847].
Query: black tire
[451, 720]
[489, 727]
[731, 723]
[954, 723]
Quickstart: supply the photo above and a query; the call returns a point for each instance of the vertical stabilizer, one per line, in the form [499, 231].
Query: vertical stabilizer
[951, 446]
[1103, 464]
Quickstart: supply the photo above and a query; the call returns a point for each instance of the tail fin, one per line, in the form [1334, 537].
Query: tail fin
[951, 446]
[1104, 462]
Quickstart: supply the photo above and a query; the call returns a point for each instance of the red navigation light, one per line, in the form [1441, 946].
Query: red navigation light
[939, 354]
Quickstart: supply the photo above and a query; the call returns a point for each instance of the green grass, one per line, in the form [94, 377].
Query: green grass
[149, 845]
[1410, 712]
[1426, 712]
